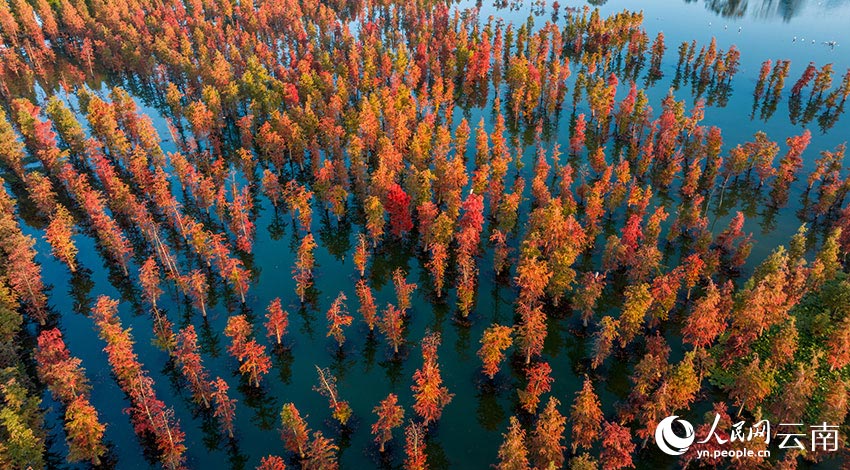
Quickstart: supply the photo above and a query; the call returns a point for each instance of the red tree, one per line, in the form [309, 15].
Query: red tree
[149, 279]
[586, 417]
[617, 447]
[338, 317]
[495, 340]
[277, 320]
[367, 303]
[392, 326]
[272, 462]
[428, 390]
[547, 436]
[189, 359]
[327, 388]
[398, 206]
[403, 289]
[225, 407]
[390, 416]
[361, 254]
[415, 448]
[294, 433]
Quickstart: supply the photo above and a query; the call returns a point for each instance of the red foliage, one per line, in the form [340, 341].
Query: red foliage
[277, 320]
[367, 303]
[338, 317]
[428, 390]
[495, 340]
[415, 448]
[398, 206]
[272, 462]
[294, 433]
[390, 416]
[539, 382]
[617, 447]
[586, 417]
[189, 359]
[149, 278]
[225, 407]
[392, 326]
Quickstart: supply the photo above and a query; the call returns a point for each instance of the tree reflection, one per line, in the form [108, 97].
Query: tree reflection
[766, 9]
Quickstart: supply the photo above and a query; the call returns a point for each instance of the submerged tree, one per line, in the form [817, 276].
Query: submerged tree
[390, 416]
[294, 432]
[495, 340]
[428, 390]
[327, 388]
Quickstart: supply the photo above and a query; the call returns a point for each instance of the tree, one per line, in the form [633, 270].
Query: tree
[398, 206]
[67, 382]
[59, 235]
[531, 333]
[428, 391]
[585, 298]
[238, 330]
[539, 382]
[367, 303]
[149, 279]
[586, 417]
[23, 441]
[272, 462]
[58, 369]
[403, 289]
[617, 447]
[838, 346]
[189, 360]
[255, 361]
[753, 383]
[84, 431]
[578, 135]
[337, 318]
[374, 218]
[495, 340]
[327, 388]
[196, 284]
[437, 265]
[513, 454]
[390, 416]
[225, 407]
[277, 320]
[547, 450]
[321, 455]
[637, 303]
[415, 447]
[361, 254]
[304, 263]
[706, 321]
[392, 326]
[294, 431]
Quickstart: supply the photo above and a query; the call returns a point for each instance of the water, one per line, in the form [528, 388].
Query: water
[470, 430]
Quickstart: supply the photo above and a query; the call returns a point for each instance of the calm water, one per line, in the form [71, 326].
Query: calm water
[470, 431]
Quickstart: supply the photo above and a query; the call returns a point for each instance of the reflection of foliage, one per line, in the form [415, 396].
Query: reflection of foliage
[263, 404]
[337, 239]
[490, 413]
[728, 8]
